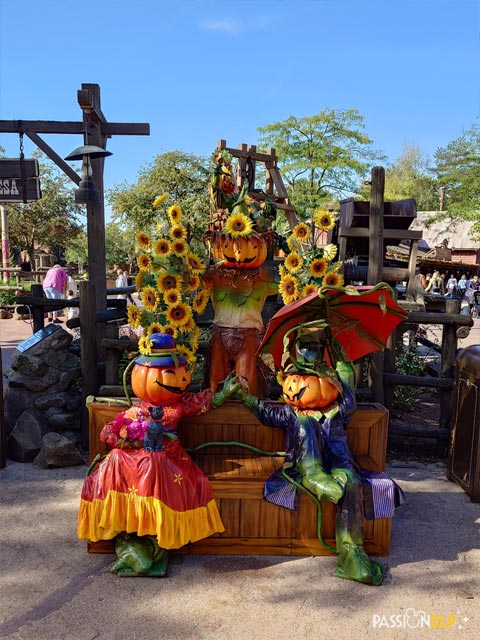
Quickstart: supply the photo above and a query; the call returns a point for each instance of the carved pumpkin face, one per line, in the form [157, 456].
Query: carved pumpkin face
[307, 391]
[240, 252]
[160, 385]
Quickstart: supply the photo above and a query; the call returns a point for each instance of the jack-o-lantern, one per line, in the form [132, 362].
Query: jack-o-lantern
[308, 391]
[240, 252]
[162, 377]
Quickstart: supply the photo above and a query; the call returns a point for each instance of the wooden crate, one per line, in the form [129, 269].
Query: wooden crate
[252, 525]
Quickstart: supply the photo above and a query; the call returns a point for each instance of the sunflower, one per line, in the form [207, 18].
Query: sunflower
[195, 263]
[238, 224]
[178, 232]
[139, 280]
[175, 213]
[324, 220]
[200, 301]
[329, 252]
[166, 281]
[318, 267]
[144, 262]
[154, 327]
[189, 325]
[162, 247]
[193, 282]
[179, 247]
[160, 200]
[149, 298]
[332, 279]
[186, 353]
[280, 378]
[292, 243]
[145, 346]
[133, 316]
[308, 289]
[293, 262]
[171, 296]
[288, 288]
[143, 240]
[194, 338]
[301, 231]
[170, 330]
[282, 271]
[178, 314]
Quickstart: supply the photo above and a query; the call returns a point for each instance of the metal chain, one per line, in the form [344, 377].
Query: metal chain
[22, 165]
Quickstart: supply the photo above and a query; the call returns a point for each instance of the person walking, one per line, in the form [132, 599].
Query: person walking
[55, 287]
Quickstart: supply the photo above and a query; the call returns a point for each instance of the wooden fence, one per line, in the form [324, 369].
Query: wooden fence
[101, 376]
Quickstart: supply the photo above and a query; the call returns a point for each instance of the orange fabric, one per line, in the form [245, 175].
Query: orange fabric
[160, 493]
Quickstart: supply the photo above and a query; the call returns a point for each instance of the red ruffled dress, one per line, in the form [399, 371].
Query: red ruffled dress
[161, 493]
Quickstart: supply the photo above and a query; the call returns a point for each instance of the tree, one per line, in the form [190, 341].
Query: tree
[49, 222]
[457, 170]
[321, 156]
[410, 177]
[183, 176]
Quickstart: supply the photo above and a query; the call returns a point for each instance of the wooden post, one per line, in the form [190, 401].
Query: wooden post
[375, 268]
[112, 357]
[89, 101]
[375, 257]
[38, 311]
[3, 431]
[449, 352]
[88, 358]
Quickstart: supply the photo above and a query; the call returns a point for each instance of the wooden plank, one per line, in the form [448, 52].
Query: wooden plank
[60, 162]
[391, 234]
[40, 126]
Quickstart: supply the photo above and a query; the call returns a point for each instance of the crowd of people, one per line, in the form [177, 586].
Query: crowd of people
[461, 287]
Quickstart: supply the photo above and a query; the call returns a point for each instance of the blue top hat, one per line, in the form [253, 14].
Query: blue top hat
[164, 352]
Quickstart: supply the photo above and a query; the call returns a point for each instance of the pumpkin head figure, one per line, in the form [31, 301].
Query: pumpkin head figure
[239, 252]
[308, 390]
[162, 377]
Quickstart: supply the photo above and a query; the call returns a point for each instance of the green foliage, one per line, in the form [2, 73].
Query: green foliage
[321, 157]
[410, 177]
[457, 169]
[182, 176]
[8, 297]
[408, 362]
[50, 221]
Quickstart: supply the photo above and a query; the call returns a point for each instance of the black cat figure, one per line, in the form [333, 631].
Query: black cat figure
[153, 440]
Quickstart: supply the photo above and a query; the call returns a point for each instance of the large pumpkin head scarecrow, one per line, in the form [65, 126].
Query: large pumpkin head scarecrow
[239, 285]
[318, 389]
[147, 494]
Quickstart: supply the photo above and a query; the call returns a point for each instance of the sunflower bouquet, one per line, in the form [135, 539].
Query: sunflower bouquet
[170, 285]
[309, 265]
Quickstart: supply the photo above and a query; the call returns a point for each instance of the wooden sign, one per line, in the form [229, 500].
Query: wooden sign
[19, 180]
[12, 168]
[12, 190]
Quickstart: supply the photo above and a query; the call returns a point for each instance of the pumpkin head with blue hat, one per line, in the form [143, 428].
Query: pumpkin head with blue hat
[160, 375]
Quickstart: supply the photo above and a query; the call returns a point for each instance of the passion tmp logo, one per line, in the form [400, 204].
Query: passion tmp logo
[413, 619]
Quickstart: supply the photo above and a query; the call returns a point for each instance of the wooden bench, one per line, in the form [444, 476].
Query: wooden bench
[254, 526]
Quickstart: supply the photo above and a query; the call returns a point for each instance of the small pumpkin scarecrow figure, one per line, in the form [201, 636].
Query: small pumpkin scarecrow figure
[147, 493]
[318, 388]
[239, 285]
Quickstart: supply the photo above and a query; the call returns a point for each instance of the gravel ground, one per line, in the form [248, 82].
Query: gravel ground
[52, 589]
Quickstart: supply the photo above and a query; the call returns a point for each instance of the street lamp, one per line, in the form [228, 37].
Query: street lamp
[87, 192]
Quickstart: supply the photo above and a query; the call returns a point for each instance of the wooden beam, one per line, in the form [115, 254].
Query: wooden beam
[60, 162]
[125, 129]
[391, 234]
[40, 126]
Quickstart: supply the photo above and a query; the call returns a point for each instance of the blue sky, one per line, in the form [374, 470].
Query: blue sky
[201, 70]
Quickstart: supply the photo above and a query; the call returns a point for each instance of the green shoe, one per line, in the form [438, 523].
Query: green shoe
[354, 564]
[139, 556]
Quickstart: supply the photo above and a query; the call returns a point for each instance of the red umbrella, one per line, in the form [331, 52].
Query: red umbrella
[360, 318]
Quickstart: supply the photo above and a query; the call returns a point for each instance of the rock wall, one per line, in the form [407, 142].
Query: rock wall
[43, 398]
